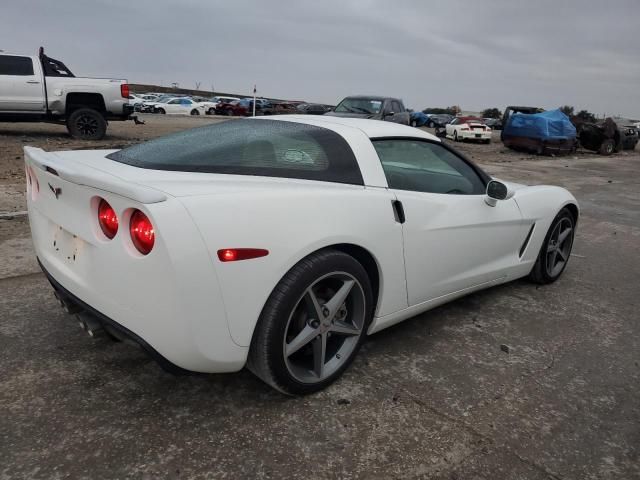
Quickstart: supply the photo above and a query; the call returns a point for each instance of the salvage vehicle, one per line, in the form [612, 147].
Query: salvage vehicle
[535, 130]
[437, 120]
[461, 129]
[375, 108]
[606, 137]
[493, 123]
[280, 243]
[180, 105]
[42, 89]
[313, 108]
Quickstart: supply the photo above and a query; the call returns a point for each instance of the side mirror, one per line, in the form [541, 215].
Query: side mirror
[497, 191]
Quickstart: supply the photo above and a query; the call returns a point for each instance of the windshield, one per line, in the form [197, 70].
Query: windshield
[359, 105]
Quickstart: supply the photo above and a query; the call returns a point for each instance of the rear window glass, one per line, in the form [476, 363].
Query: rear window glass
[270, 148]
[10, 65]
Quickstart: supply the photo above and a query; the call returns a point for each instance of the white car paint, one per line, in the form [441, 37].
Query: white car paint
[461, 130]
[200, 313]
[181, 105]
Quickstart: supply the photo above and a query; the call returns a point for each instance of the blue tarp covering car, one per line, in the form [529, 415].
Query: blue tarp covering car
[543, 132]
[552, 124]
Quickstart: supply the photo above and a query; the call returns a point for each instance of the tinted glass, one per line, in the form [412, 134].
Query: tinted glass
[251, 147]
[359, 105]
[10, 65]
[426, 167]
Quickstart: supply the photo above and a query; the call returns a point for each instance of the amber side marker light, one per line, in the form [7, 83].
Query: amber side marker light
[235, 254]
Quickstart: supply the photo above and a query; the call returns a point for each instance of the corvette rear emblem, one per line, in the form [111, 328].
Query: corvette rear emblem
[56, 190]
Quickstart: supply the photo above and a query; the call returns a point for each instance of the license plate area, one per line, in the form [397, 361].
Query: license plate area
[66, 245]
[478, 135]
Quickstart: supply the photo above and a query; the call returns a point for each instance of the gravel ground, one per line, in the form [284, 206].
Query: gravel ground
[433, 397]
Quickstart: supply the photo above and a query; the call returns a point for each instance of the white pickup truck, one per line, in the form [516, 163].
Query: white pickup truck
[42, 89]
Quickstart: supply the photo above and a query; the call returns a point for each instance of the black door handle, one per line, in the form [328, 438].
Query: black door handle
[398, 211]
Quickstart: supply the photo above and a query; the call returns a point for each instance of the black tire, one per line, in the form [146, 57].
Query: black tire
[87, 124]
[607, 147]
[413, 123]
[431, 125]
[228, 112]
[160, 111]
[455, 136]
[194, 112]
[541, 272]
[211, 111]
[266, 355]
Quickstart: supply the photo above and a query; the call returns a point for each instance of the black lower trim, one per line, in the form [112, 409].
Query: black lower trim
[69, 297]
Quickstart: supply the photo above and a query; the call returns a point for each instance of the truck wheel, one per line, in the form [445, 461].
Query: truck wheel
[87, 124]
[607, 147]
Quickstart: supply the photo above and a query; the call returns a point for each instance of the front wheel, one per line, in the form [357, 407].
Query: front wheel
[556, 249]
[160, 111]
[87, 124]
[195, 112]
[211, 111]
[313, 323]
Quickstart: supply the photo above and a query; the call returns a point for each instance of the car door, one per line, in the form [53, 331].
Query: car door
[450, 127]
[21, 88]
[453, 240]
[173, 106]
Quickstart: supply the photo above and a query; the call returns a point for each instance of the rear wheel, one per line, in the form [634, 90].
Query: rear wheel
[195, 112]
[87, 124]
[211, 111]
[312, 324]
[556, 249]
[160, 111]
[455, 136]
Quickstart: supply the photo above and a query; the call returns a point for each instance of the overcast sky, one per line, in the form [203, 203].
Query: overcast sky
[475, 54]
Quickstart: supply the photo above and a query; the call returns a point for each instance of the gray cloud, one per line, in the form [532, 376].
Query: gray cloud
[475, 54]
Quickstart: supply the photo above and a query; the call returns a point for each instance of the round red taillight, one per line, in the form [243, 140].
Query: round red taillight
[142, 233]
[107, 219]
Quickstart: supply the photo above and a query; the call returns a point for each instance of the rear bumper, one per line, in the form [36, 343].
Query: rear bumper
[471, 135]
[69, 298]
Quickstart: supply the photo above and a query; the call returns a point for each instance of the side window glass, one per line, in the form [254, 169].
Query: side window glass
[426, 167]
[12, 65]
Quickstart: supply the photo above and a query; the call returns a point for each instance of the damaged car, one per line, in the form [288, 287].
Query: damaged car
[535, 130]
[606, 137]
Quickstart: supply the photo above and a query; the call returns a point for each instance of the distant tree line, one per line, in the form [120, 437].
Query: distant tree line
[582, 115]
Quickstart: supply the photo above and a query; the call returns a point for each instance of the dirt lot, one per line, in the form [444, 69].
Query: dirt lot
[434, 397]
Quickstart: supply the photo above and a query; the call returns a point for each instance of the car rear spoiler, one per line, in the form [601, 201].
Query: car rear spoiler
[81, 174]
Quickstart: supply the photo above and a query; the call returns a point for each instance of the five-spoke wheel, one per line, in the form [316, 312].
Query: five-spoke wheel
[556, 249]
[313, 323]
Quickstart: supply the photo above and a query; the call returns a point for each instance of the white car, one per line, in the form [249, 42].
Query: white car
[468, 128]
[208, 104]
[281, 243]
[180, 105]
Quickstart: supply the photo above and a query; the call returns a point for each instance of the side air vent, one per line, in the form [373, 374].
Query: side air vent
[526, 240]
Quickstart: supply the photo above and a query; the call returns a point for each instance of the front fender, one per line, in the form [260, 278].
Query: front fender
[539, 205]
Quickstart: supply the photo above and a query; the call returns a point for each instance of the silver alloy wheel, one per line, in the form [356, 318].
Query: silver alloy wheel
[559, 247]
[324, 327]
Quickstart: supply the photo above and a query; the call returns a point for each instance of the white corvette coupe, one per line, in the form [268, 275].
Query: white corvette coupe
[281, 243]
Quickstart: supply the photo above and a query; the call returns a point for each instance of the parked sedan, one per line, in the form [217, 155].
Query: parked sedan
[184, 106]
[210, 247]
[468, 128]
